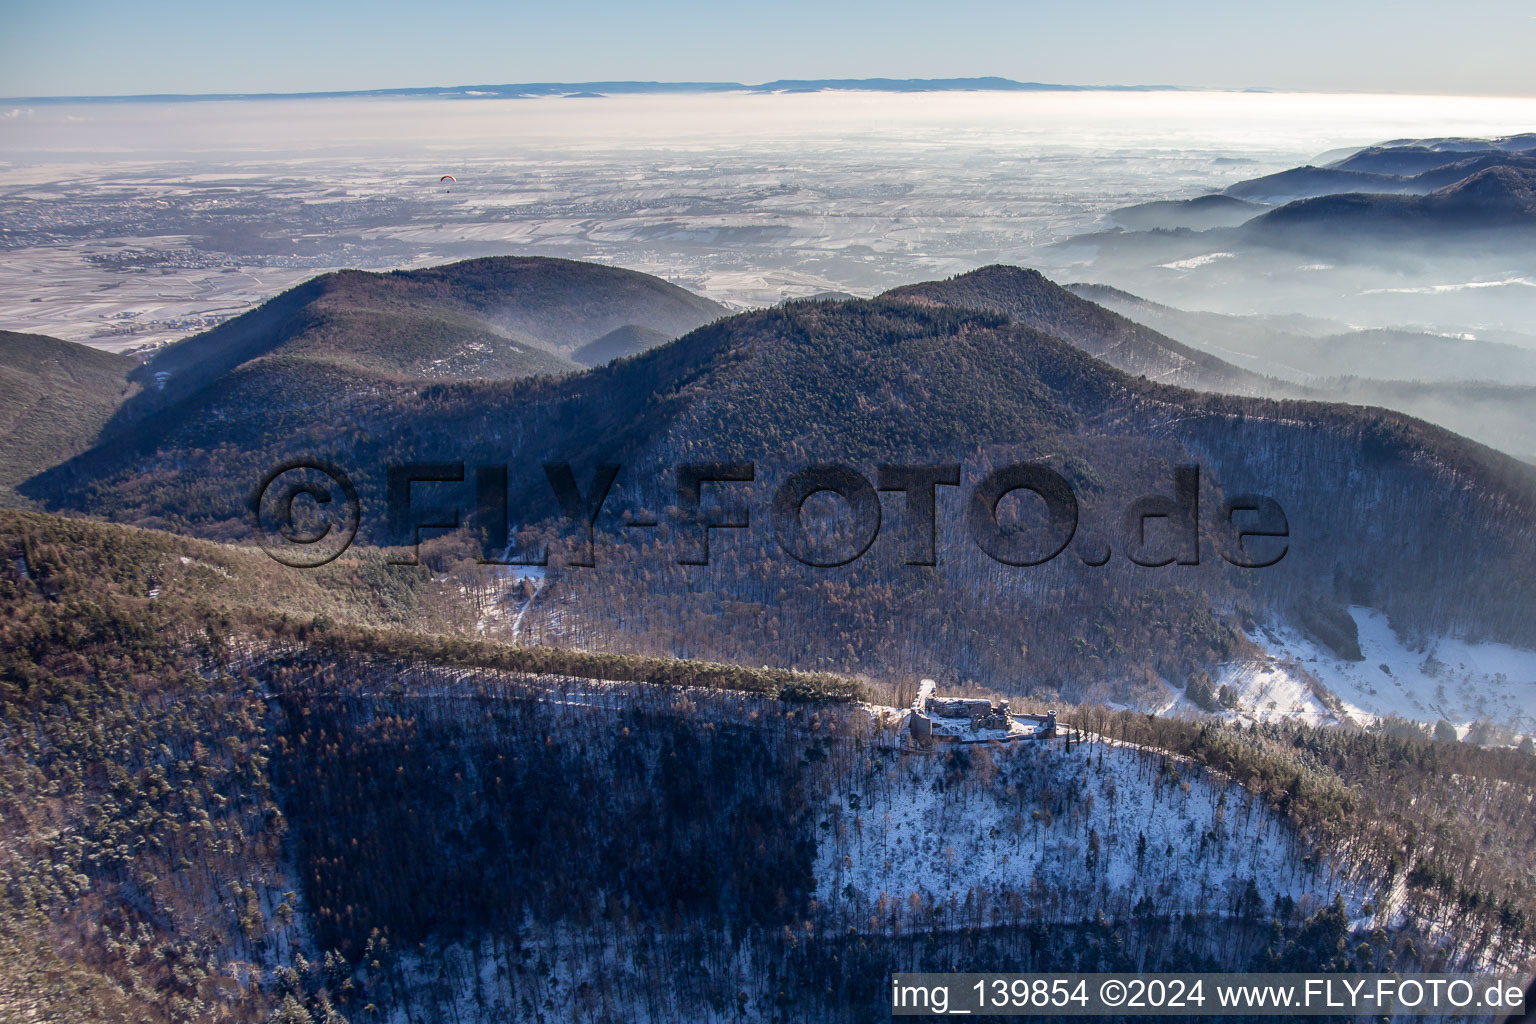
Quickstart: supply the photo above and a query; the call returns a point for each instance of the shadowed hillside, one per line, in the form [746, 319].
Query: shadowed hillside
[1501, 198]
[623, 341]
[1198, 214]
[55, 397]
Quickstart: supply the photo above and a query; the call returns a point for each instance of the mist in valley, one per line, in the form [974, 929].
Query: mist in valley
[132, 224]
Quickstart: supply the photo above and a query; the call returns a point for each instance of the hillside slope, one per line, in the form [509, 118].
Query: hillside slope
[485, 319]
[1029, 298]
[623, 341]
[55, 398]
[1499, 199]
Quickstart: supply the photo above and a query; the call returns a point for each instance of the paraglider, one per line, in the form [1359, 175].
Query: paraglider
[447, 177]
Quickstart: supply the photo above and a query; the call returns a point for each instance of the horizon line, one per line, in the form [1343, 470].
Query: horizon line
[594, 89]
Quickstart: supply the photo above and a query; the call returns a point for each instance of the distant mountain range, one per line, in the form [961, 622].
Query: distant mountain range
[1467, 182]
[1437, 235]
[1294, 348]
[1482, 389]
[1409, 169]
[592, 89]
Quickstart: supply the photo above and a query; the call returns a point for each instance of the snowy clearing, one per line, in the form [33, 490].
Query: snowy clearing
[1424, 681]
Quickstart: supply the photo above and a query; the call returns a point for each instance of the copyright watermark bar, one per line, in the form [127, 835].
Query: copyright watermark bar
[1314, 995]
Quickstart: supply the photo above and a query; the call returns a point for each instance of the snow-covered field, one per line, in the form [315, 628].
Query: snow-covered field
[1444, 678]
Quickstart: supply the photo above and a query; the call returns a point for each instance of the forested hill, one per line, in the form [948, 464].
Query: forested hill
[1499, 199]
[485, 319]
[1029, 298]
[1383, 510]
[55, 397]
[623, 341]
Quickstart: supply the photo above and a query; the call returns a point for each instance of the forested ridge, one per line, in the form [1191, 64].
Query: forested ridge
[1384, 511]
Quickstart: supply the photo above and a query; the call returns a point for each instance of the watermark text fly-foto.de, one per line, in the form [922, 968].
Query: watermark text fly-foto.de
[306, 512]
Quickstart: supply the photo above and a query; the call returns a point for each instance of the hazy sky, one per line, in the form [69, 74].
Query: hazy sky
[108, 47]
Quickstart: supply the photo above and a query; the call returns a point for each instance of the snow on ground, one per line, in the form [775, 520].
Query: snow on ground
[973, 834]
[506, 599]
[1427, 681]
[1277, 686]
[1021, 822]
